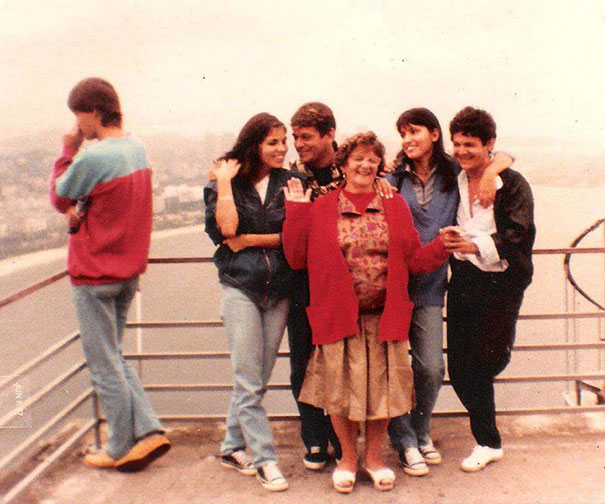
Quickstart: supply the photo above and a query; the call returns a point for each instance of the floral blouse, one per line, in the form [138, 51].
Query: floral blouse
[364, 241]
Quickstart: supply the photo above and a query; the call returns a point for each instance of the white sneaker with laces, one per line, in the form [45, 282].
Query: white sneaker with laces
[413, 462]
[480, 457]
[271, 478]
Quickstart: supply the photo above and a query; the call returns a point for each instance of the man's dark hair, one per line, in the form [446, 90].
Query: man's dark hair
[247, 146]
[314, 115]
[97, 94]
[474, 122]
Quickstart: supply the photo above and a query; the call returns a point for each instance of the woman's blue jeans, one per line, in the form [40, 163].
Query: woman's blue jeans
[101, 312]
[426, 343]
[254, 335]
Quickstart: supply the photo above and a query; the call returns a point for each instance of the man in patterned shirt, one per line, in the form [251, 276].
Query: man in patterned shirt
[313, 128]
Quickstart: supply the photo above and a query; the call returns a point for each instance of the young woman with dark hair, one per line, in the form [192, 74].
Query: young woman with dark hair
[244, 216]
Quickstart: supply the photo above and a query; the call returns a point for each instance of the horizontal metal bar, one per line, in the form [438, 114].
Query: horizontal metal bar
[28, 403]
[444, 413]
[32, 476]
[81, 399]
[582, 250]
[191, 387]
[188, 260]
[179, 260]
[550, 378]
[175, 324]
[189, 355]
[562, 316]
[219, 323]
[28, 366]
[560, 346]
[283, 353]
[32, 288]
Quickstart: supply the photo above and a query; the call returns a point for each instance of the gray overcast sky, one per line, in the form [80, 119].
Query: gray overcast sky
[196, 66]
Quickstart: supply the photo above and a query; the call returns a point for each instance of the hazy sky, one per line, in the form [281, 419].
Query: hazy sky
[194, 66]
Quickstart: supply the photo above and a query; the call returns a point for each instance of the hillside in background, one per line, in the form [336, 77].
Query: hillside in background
[180, 163]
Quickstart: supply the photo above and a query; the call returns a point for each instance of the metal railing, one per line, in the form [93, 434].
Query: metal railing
[577, 379]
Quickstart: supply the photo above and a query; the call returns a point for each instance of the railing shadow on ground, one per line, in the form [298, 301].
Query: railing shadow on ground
[578, 380]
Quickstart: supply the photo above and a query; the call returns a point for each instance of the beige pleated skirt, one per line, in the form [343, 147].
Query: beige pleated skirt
[360, 377]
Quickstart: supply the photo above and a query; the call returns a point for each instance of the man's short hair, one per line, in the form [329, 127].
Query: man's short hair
[314, 115]
[97, 94]
[474, 122]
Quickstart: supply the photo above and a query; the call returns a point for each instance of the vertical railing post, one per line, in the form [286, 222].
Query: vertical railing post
[567, 352]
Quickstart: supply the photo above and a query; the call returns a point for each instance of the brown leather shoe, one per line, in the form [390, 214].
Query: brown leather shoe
[143, 453]
[99, 459]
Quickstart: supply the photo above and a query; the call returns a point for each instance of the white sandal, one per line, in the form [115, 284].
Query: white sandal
[379, 476]
[343, 480]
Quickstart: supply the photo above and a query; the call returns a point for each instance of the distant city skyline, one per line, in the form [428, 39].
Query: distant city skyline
[197, 66]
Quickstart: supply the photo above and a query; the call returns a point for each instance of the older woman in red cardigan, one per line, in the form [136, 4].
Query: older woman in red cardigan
[359, 249]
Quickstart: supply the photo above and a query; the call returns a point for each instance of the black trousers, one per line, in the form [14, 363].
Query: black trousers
[482, 312]
[315, 427]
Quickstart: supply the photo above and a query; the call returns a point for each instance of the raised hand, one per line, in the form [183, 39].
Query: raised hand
[226, 169]
[73, 139]
[295, 192]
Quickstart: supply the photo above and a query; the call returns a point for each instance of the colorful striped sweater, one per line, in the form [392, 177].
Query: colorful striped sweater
[112, 243]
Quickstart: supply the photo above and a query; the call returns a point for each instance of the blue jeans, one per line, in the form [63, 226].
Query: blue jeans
[254, 335]
[426, 343]
[101, 312]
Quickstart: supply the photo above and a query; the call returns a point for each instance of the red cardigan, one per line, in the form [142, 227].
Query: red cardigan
[310, 240]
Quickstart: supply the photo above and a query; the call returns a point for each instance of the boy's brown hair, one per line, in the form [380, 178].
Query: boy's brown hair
[97, 94]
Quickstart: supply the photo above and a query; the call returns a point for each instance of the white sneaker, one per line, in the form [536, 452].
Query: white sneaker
[413, 462]
[271, 478]
[430, 453]
[480, 457]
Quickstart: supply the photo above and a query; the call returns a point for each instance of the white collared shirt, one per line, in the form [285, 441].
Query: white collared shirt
[479, 227]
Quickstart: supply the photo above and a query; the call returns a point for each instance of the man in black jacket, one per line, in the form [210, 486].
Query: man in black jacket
[491, 267]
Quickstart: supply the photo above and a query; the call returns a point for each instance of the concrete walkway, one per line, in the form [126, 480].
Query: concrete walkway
[558, 459]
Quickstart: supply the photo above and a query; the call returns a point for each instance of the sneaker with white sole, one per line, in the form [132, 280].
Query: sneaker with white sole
[271, 478]
[315, 459]
[240, 461]
[413, 462]
[430, 454]
[480, 457]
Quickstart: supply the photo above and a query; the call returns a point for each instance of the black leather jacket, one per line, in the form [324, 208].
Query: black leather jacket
[516, 232]
[263, 274]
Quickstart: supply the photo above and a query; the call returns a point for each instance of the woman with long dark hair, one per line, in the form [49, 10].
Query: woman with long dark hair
[244, 216]
[425, 175]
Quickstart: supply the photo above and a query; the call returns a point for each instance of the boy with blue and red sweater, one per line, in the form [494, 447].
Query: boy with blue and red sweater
[107, 251]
